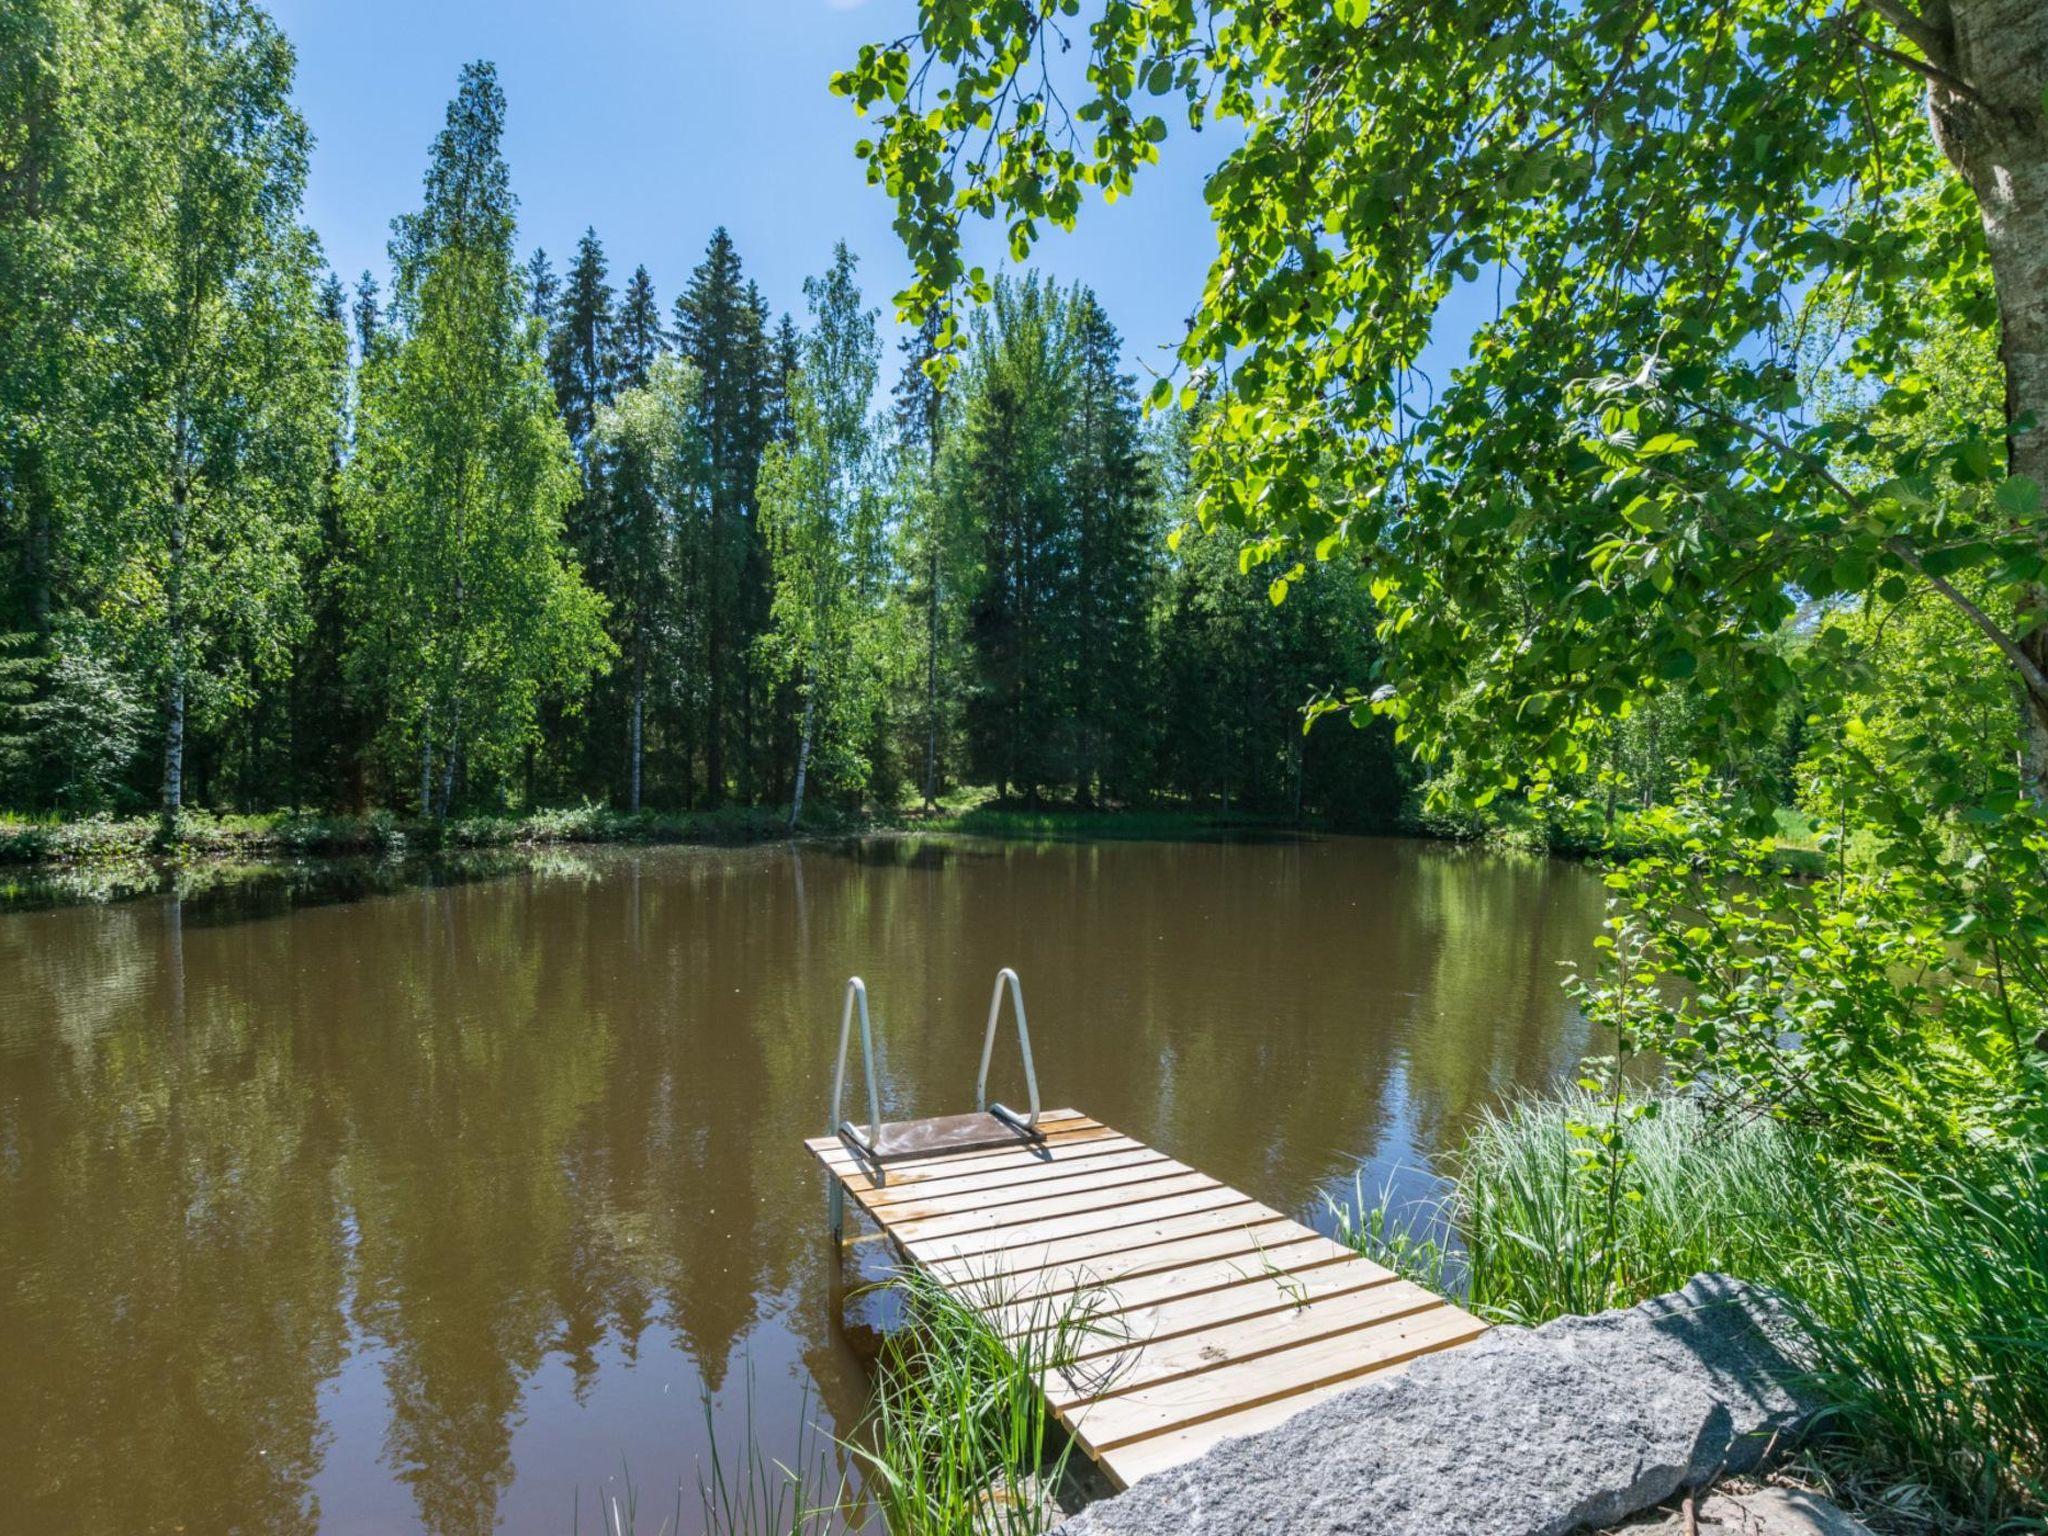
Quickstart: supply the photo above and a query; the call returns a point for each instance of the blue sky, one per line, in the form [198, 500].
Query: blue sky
[657, 120]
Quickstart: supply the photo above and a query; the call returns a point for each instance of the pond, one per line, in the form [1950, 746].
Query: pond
[446, 1207]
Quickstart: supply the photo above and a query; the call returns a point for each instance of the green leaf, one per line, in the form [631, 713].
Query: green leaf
[2019, 496]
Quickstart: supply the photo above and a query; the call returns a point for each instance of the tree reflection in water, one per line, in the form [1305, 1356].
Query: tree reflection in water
[430, 1204]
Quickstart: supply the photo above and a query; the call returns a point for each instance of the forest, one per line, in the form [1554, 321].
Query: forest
[477, 535]
[1719, 555]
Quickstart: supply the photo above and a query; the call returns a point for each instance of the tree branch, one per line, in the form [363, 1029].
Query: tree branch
[2030, 671]
[1926, 68]
[1931, 40]
[2036, 680]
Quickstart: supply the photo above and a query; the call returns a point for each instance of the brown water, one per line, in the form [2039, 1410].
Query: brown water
[432, 1209]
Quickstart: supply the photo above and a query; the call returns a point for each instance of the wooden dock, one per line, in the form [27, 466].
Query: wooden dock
[1223, 1317]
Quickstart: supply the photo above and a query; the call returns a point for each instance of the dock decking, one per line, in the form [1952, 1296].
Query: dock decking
[1228, 1316]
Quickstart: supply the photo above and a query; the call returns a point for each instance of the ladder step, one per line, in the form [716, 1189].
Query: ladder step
[902, 1140]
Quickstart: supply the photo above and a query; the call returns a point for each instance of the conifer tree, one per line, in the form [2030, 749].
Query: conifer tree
[580, 348]
[543, 288]
[719, 325]
[467, 607]
[364, 314]
[638, 337]
[1117, 542]
[1004, 470]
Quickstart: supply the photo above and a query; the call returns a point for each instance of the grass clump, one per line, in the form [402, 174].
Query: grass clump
[960, 1441]
[1925, 1302]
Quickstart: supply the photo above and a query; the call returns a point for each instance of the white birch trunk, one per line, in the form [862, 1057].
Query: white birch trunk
[1990, 116]
[174, 661]
[803, 751]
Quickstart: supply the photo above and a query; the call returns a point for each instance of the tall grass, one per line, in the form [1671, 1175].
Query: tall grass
[750, 1494]
[1925, 1301]
[1544, 1233]
[761, 1496]
[1922, 1298]
[960, 1441]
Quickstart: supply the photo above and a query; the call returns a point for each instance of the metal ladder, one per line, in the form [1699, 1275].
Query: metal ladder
[868, 1146]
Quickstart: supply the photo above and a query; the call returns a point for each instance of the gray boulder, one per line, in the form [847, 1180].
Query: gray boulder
[1526, 1432]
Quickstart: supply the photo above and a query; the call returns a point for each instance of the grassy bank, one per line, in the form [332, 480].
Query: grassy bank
[1921, 1301]
[285, 834]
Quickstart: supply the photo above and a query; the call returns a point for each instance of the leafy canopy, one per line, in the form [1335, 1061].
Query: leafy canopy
[1624, 487]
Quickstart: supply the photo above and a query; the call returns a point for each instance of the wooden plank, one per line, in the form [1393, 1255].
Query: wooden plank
[1079, 1141]
[1126, 1464]
[951, 1219]
[1150, 1361]
[1040, 1174]
[1106, 1423]
[1075, 1238]
[988, 1190]
[1249, 1293]
[1150, 1273]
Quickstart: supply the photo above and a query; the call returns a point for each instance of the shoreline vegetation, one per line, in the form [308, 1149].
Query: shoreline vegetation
[35, 844]
[44, 844]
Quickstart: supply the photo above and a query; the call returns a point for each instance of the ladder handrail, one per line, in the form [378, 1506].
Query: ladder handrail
[988, 1045]
[856, 989]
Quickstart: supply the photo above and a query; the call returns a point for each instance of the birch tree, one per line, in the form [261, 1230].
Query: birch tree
[233, 414]
[658, 479]
[824, 516]
[468, 605]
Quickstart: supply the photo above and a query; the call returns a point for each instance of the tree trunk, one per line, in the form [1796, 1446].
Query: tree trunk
[427, 763]
[448, 759]
[639, 717]
[174, 662]
[39, 556]
[714, 722]
[803, 751]
[1992, 123]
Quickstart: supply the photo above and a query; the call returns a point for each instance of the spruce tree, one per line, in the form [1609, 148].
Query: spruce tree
[638, 337]
[364, 314]
[580, 348]
[1117, 542]
[321, 724]
[543, 288]
[1004, 469]
[719, 326]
